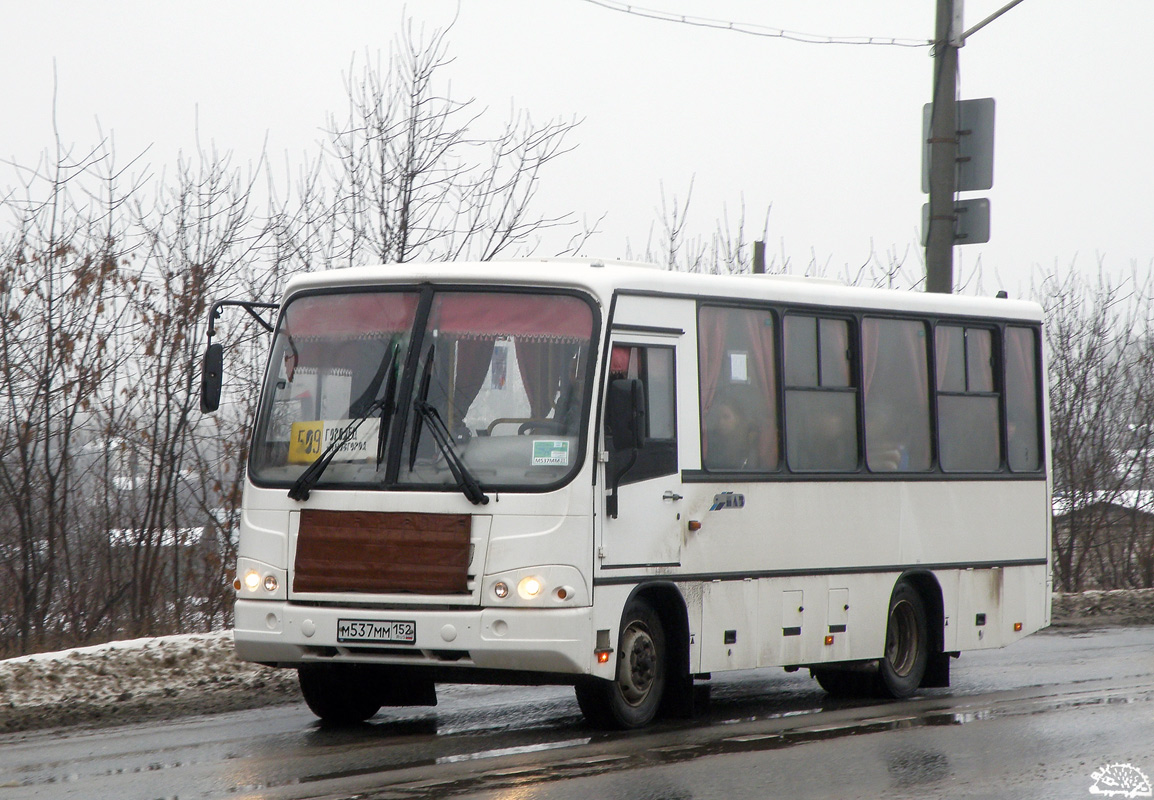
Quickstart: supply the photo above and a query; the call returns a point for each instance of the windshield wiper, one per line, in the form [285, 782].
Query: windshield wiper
[466, 482]
[386, 403]
[422, 396]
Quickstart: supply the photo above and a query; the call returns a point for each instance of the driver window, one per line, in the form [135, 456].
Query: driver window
[653, 366]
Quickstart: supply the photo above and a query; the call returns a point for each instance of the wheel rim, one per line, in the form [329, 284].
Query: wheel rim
[639, 667]
[902, 638]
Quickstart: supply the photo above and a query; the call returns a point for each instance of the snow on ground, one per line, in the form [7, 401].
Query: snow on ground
[123, 682]
[172, 676]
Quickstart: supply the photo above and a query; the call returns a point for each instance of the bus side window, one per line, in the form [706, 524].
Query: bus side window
[653, 367]
[739, 417]
[897, 395]
[968, 439]
[1023, 450]
[820, 399]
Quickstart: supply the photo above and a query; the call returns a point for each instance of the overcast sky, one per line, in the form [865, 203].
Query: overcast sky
[827, 136]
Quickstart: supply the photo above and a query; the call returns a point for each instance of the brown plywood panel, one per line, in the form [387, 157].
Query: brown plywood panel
[382, 552]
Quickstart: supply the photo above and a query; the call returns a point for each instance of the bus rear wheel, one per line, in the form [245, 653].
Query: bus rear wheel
[903, 663]
[337, 693]
[632, 699]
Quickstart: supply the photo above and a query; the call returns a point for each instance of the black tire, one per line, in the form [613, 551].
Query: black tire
[338, 694]
[903, 664]
[633, 698]
[845, 683]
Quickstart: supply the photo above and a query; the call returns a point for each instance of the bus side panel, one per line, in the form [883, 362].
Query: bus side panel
[730, 633]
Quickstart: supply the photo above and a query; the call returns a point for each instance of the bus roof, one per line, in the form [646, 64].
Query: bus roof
[603, 278]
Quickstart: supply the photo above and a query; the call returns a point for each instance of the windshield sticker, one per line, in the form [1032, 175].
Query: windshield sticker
[309, 439]
[550, 453]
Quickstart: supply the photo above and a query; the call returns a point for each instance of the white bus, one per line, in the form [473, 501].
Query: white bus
[627, 479]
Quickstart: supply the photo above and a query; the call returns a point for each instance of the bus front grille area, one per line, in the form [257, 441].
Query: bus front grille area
[382, 553]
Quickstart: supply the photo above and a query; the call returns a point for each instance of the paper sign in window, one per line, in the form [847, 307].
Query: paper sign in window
[550, 453]
[739, 367]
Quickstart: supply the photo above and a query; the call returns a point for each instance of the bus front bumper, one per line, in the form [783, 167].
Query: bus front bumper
[523, 640]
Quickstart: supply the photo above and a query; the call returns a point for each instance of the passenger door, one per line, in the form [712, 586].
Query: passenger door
[646, 530]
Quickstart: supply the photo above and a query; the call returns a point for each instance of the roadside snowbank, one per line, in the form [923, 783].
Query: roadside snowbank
[172, 676]
[135, 680]
[1098, 608]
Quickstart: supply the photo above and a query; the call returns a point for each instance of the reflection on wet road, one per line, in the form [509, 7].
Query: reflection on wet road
[1019, 718]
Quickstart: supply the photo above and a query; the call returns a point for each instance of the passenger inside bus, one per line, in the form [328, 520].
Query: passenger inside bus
[731, 435]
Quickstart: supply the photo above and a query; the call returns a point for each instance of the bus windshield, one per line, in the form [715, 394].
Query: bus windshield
[499, 384]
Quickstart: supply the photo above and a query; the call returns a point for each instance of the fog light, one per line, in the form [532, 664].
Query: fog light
[501, 589]
[252, 580]
[270, 583]
[529, 587]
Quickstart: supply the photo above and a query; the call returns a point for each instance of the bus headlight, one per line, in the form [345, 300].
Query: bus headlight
[543, 586]
[256, 580]
[529, 587]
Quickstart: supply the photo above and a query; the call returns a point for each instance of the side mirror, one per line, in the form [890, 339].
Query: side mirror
[625, 413]
[211, 377]
[625, 419]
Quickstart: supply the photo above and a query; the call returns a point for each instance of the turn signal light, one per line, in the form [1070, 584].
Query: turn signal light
[1017, 627]
[828, 640]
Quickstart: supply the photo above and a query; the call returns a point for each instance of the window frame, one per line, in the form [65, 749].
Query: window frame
[856, 317]
[774, 440]
[657, 457]
[789, 390]
[997, 393]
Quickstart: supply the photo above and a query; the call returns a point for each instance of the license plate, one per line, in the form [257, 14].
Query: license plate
[376, 631]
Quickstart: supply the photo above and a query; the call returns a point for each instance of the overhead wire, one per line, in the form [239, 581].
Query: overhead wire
[752, 29]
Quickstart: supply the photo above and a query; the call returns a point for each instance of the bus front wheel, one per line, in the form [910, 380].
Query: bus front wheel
[337, 693]
[632, 699]
[903, 664]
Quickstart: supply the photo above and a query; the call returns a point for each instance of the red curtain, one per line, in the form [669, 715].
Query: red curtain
[354, 313]
[462, 314]
[473, 358]
[759, 326]
[526, 316]
[753, 332]
[543, 365]
[711, 328]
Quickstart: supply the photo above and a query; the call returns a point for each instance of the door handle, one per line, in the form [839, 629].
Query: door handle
[670, 496]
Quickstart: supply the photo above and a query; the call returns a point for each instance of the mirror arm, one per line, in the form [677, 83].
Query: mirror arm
[213, 366]
[611, 500]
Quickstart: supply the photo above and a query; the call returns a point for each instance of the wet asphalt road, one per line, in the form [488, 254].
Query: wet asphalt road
[1038, 719]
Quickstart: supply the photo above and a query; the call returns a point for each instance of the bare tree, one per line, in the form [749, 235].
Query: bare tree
[414, 178]
[727, 249]
[118, 499]
[1099, 372]
[197, 236]
[59, 291]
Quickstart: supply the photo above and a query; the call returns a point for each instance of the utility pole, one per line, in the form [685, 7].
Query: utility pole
[943, 147]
